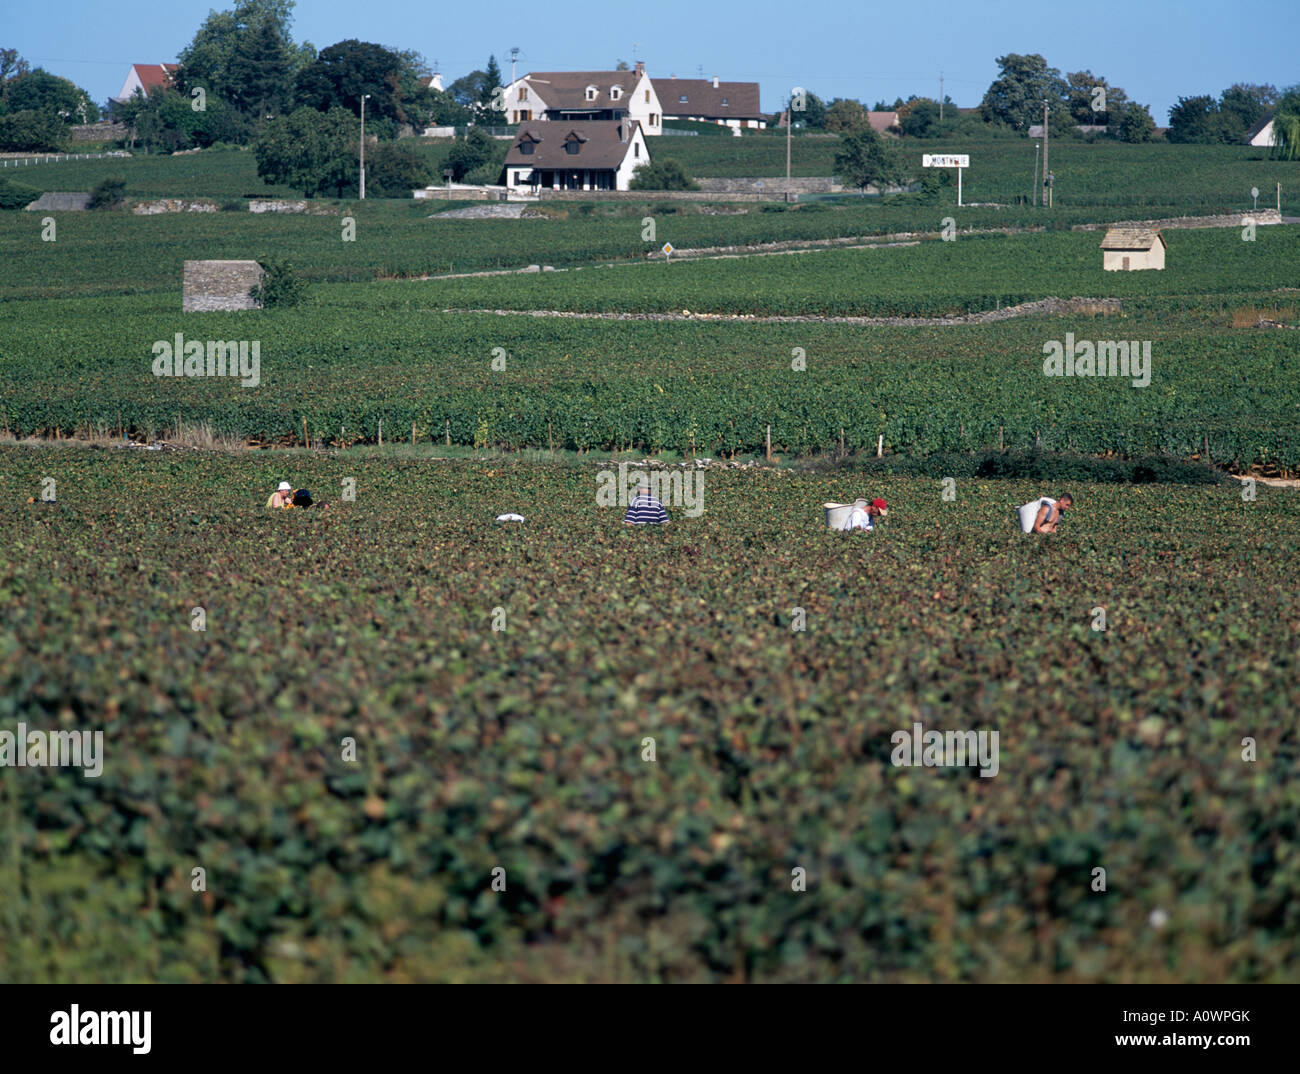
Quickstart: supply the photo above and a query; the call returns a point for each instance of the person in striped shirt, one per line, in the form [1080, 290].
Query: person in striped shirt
[645, 510]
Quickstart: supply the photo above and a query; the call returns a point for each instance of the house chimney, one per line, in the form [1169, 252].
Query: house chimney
[715, 81]
[640, 68]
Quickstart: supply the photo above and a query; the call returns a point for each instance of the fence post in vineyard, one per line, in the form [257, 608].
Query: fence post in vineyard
[305, 441]
[841, 441]
[412, 434]
[381, 432]
[769, 443]
[449, 432]
[550, 443]
[880, 446]
[1000, 445]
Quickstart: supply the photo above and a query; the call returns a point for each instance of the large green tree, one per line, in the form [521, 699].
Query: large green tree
[233, 56]
[808, 109]
[844, 116]
[261, 70]
[12, 66]
[1092, 101]
[476, 91]
[1199, 121]
[1015, 98]
[311, 151]
[1286, 125]
[347, 70]
[40, 91]
[31, 130]
[1243, 105]
[166, 121]
[470, 153]
[863, 159]
[491, 81]
[1135, 123]
[395, 170]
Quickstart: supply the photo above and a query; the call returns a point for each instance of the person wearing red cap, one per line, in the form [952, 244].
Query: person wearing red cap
[863, 514]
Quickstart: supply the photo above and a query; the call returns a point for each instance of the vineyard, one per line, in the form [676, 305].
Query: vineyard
[979, 273]
[359, 354]
[521, 748]
[120, 253]
[353, 717]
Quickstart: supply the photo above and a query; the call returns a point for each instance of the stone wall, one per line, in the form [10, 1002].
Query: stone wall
[658, 195]
[461, 193]
[822, 184]
[51, 201]
[173, 205]
[220, 285]
[98, 132]
[1261, 217]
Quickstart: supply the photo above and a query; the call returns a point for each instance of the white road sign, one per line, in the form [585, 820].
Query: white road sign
[945, 160]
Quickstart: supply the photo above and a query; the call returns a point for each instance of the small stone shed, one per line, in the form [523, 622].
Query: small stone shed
[220, 285]
[1127, 249]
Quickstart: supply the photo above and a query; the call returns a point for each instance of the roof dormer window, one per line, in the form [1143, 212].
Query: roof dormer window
[681, 99]
[526, 147]
[724, 102]
[615, 92]
[592, 93]
[571, 146]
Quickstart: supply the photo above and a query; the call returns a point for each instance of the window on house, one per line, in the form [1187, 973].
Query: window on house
[526, 148]
[615, 92]
[681, 99]
[724, 102]
[647, 96]
[525, 114]
[636, 149]
[571, 146]
[591, 93]
[523, 93]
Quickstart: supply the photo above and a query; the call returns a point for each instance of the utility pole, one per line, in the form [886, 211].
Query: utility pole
[789, 118]
[940, 96]
[1035, 188]
[363, 145]
[1047, 192]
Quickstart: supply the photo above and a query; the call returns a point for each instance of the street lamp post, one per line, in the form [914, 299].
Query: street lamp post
[1035, 189]
[789, 122]
[363, 145]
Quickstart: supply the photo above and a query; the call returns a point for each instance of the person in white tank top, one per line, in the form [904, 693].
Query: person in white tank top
[1044, 514]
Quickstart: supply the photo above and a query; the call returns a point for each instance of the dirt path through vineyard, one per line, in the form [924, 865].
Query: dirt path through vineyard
[1024, 309]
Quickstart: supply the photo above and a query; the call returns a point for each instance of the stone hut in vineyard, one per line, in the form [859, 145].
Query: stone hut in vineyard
[1126, 249]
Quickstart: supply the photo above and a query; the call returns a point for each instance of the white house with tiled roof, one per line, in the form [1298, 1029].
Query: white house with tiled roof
[730, 104]
[145, 77]
[1262, 132]
[562, 154]
[585, 96]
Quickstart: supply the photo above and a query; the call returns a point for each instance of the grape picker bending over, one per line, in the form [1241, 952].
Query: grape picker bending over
[1044, 514]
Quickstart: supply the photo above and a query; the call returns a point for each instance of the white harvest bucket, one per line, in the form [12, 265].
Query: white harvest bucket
[837, 514]
[1028, 514]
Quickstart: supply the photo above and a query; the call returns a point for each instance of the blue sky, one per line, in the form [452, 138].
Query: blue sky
[1157, 50]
